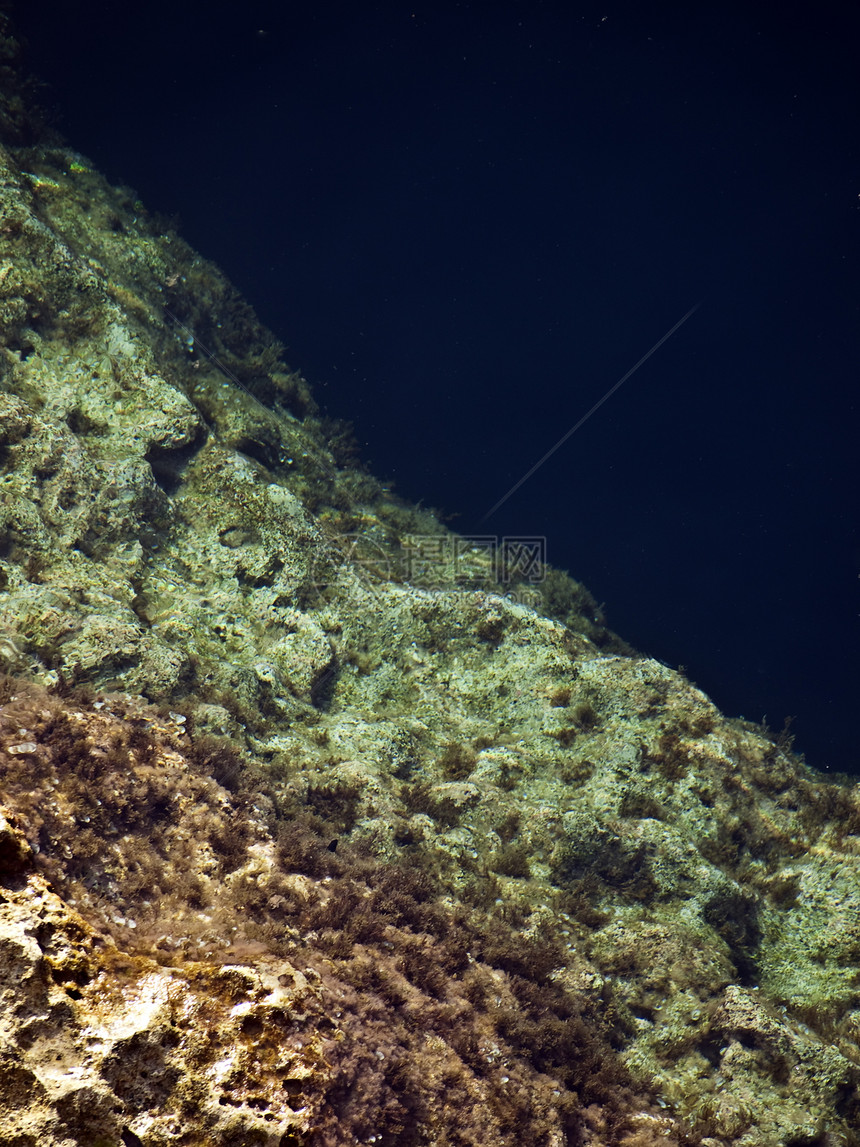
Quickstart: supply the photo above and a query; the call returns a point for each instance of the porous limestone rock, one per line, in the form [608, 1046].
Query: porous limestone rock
[323, 829]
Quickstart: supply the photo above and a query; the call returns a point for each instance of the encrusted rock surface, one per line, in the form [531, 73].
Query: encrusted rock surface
[322, 828]
[109, 1049]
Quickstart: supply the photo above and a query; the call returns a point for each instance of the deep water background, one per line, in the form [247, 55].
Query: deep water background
[468, 221]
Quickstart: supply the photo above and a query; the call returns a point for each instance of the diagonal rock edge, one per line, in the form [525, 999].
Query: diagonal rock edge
[315, 832]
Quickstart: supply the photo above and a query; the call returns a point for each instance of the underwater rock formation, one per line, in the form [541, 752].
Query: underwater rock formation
[320, 828]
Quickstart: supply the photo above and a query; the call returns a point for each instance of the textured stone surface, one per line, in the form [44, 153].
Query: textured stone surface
[319, 833]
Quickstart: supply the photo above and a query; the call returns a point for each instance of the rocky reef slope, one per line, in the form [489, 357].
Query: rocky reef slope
[324, 826]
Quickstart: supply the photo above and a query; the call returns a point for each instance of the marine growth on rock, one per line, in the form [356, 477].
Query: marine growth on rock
[321, 825]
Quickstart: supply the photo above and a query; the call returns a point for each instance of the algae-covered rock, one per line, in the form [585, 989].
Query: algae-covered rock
[325, 826]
